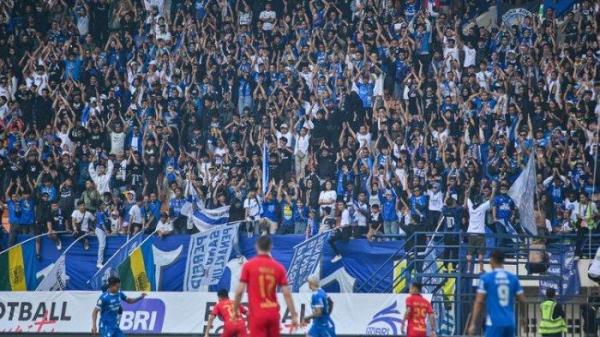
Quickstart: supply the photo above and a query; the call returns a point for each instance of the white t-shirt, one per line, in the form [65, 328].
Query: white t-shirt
[253, 207]
[346, 218]
[364, 140]
[164, 226]
[83, 219]
[436, 200]
[135, 214]
[117, 142]
[267, 15]
[360, 218]
[477, 217]
[470, 54]
[328, 197]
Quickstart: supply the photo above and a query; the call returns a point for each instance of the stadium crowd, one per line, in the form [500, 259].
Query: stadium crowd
[380, 116]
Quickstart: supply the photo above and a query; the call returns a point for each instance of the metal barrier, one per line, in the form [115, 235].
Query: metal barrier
[418, 247]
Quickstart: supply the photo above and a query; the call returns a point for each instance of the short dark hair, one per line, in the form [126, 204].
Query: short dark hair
[113, 280]
[264, 243]
[550, 293]
[498, 256]
[223, 293]
[417, 286]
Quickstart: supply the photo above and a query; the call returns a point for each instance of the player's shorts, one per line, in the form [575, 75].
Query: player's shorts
[499, 331]
[321, 331]
[111, 332]
[234, 329]
[265, 326]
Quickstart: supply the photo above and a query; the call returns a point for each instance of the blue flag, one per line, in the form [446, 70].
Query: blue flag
[307, 256]
[110, 267]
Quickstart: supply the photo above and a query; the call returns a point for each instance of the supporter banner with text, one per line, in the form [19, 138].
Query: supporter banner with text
[307, 256]
[208, 254]
[175, 312]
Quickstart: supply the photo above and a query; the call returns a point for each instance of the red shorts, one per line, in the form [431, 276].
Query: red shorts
[234, 329]
[265, 326]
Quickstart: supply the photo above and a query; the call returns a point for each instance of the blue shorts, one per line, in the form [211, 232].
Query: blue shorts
[499, 331]
[321, 331]
[111, 332]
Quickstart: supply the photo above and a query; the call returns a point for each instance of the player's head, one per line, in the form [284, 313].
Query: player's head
[263, 244]
[415, 288]
[313, 282]
[550, 293]
[223, 294]
[114, 283]
[497, 258]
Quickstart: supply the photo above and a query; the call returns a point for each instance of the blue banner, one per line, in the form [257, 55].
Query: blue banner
[307, 256]
[563, 268]
[110, 267]
[363, 263]
[208, 254]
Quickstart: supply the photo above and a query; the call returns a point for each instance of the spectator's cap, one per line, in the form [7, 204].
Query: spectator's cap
[65, 153]
[93, 100]
[45, 195]
[283, 126]
[132, 192]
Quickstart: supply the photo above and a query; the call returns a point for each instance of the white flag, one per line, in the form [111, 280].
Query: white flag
[522, 192]
[56, 280]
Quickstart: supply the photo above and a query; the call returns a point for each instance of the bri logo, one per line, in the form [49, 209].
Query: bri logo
[147, 315]
[386, 322]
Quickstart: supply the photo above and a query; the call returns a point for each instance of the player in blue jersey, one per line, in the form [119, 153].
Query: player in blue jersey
[498, 290]
[109, 307]
[322, 325]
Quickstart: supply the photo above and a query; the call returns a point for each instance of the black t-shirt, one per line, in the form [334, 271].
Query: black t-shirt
[151, 172]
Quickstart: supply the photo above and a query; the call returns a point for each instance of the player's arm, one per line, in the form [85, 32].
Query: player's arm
[477, 308]
[317, 312]
[209, 324]
[132, 300]
[406, 316]
[289, 301]
[238, 298]
[94, 320]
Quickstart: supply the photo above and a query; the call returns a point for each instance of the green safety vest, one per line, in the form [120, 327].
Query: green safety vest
[548, 325]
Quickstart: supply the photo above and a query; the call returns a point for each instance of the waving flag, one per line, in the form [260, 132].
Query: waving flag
[57, 278]
[265, 167]
[522, 193]
[111, 265]
[137, 271]
[16, 272]
[307, 256]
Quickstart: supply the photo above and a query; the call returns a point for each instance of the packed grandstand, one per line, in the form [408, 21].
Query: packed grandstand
[383, 132]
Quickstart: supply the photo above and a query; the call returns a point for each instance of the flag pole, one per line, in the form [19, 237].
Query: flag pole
[144, 241]
[77, 240]
[115, 254]
[30, 239]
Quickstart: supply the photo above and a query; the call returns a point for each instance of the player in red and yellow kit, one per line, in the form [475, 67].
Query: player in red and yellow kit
[224, 310]
[417, 309]
[262, 275]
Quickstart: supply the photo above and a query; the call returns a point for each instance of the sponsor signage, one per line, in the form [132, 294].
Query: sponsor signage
[177, 312]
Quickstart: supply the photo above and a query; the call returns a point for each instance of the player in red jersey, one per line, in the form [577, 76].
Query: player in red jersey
[224, 310]
[261, 275]
[417, 309]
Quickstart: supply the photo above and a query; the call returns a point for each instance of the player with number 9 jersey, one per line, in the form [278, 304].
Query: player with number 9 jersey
[233, 325]
[499, 288]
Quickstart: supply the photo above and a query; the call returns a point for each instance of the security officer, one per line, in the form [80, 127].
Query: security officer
[552, 323]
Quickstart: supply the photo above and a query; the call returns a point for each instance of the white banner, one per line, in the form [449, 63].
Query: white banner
[57, 277]
[208, 255]
[180, 312]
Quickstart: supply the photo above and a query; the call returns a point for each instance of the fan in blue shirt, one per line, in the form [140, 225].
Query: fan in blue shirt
[109, 307]
[321, 307]
[498, 289]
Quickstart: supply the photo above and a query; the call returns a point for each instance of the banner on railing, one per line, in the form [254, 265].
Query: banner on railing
[563, 268]
[187, 313]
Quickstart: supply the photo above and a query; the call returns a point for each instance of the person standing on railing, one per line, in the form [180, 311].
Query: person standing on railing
[552, 322]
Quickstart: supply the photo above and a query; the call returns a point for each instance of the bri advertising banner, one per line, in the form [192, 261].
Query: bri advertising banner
[186, 313]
